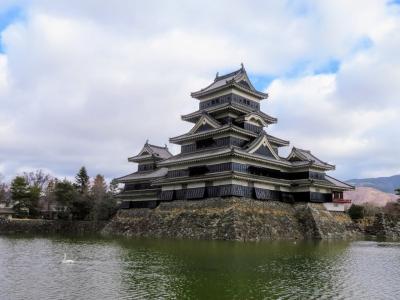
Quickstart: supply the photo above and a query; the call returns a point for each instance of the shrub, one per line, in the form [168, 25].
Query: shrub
[356, 212]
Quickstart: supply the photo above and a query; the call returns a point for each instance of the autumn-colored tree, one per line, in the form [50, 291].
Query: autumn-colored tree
[99, 188]
[103, 201]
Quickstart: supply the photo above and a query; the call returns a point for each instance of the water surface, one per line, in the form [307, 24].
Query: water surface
[31, 268]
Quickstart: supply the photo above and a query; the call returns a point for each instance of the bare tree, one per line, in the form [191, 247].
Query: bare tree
[4, 191]
[38, 179]
[49, 196]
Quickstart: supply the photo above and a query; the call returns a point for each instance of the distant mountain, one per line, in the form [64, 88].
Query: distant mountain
[362, 195]
[384, 184]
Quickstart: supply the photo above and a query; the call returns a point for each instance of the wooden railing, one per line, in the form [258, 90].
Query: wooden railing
[341, 201]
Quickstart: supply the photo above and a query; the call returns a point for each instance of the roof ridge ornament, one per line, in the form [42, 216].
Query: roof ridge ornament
[242, 66]
[216, 76]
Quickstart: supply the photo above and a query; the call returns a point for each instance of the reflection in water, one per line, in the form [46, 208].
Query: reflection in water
[151, 269]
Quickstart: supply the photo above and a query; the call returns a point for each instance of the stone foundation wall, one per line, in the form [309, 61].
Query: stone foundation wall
[320, 223]
[232, 219]
[29, 226]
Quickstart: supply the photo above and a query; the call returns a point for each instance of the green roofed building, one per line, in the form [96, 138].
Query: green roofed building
[228, 152]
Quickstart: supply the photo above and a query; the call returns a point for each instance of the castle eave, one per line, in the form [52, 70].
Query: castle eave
[226, 128]
[203, 93]
[140, 176]
[236, 107]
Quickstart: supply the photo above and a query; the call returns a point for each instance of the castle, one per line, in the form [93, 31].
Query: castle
[228, 152]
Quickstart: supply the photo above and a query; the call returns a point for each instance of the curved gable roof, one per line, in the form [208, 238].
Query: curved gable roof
[151, 151]
[236, 78]
[204, 120]
[262, 142]
[305, 155]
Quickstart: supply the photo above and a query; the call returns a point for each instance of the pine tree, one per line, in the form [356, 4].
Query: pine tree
[82, 181]
[19, 188]
[25, 196]
[65, 193]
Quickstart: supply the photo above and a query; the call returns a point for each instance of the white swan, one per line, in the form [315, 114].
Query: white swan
[67, 261]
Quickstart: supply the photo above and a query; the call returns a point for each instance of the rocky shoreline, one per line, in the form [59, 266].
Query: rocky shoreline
[384, 226]
[218, 219]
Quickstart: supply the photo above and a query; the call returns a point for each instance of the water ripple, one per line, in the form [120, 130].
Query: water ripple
[30, 268]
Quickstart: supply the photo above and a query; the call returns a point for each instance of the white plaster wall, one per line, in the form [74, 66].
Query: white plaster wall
[335, 207]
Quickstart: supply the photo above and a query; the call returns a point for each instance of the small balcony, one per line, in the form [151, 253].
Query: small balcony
[341, 201]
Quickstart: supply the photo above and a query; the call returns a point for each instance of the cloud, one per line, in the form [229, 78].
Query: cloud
[350, 117]
[87, 82]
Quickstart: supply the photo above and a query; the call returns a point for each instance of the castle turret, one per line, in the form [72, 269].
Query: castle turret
[139, 190]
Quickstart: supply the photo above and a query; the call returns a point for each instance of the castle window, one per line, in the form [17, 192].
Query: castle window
[198, 170]
[264, 172]
[200, 144]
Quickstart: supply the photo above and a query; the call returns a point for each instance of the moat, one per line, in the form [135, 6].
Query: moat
[30, 267]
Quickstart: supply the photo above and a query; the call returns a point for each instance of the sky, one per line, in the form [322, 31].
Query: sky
[87, 82]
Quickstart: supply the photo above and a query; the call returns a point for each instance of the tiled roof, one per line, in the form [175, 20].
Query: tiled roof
[205, 119]
[338, 183]
[151, 152]
[237, 106]
[277, 141]
[238, 78]
[196, 155]
[161, 152]
[266, 117]
[227, 127]
[144, 175]
[306, 155]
